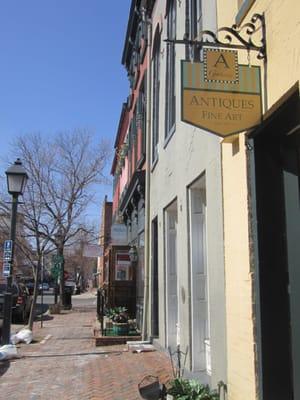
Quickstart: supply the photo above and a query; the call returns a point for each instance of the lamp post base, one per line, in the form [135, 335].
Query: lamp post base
[6, 318]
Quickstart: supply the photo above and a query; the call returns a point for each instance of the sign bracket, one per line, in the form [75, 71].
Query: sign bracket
[233, 38]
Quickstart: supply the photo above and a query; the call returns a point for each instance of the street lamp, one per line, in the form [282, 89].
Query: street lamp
[16, 178]
[133, 254]
[16, 182]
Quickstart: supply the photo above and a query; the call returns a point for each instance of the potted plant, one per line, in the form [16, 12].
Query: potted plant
[189, 389]
[120, 324]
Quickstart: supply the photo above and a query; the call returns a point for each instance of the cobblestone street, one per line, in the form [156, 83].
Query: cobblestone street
[64, 363]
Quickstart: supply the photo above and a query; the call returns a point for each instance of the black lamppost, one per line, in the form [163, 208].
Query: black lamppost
[16, 182]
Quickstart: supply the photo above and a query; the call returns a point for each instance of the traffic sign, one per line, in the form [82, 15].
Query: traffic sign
[58, 259]
[55, 272]
[7, 255]
[8, 245]
[6, 269]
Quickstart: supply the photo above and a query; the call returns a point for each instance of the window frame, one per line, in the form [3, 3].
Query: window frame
[170, 98]
[243, 9]
[195, 26]
[155, 97]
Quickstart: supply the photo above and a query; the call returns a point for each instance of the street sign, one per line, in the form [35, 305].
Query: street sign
[7, 255]
[55, 272]
[6, 269]
[58, 259]
[8, 245]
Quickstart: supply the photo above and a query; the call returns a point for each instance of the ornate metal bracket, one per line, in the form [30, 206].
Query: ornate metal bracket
[243, 37]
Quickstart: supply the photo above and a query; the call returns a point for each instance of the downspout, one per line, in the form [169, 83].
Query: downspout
[145, 332]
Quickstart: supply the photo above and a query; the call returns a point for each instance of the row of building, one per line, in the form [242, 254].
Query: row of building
[200, 241]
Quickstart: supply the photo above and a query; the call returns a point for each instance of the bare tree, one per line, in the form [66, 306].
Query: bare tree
[63, 172]
[30, 245]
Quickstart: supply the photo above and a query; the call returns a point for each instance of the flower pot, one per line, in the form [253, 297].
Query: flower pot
[120, 328]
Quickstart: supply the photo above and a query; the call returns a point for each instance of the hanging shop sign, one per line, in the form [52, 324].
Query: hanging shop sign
[220, 95]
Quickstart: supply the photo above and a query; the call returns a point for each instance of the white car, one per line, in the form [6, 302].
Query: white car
[44, 287]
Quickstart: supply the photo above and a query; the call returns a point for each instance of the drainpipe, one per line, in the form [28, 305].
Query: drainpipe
[145, 332]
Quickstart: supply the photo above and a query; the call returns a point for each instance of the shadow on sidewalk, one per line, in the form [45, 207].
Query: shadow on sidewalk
[45, 318]
[4, 366]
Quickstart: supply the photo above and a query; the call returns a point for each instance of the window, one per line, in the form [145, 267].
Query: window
[243, 7]
[170, 71]
[129, 153]
[115, 182]
[196, 18]
[142, 116]
[155, 96]
[123, 267]
[195, 14]
[135, 140]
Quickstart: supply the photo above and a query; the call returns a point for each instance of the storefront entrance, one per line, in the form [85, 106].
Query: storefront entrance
[277, 206]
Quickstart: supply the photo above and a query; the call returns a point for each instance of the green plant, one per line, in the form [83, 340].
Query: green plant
[118, 314]
[189, 389]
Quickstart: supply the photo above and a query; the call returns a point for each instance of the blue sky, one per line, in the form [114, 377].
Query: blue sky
[61, 69]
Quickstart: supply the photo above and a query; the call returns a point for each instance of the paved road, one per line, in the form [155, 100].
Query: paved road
[63, 363]
[85, 299]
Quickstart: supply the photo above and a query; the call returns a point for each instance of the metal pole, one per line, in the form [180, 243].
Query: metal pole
[101, 309]
[42, 294]
[8, 294]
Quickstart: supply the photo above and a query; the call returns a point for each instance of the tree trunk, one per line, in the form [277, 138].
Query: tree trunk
[62, 279]
[35, 294]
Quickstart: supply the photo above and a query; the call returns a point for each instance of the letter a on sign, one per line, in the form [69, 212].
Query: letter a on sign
[221, 66]
[221, 60]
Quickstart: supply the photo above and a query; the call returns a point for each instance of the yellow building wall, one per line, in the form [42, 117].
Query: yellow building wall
[240, 340]
[283, 71]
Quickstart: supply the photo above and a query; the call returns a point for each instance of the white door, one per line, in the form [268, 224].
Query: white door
[171, 273]
[199, 303]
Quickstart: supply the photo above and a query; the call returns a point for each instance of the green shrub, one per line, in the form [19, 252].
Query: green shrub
[189, 389]
[117, 314]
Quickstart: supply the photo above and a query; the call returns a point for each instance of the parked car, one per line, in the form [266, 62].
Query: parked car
[44, 287]
[21, 301]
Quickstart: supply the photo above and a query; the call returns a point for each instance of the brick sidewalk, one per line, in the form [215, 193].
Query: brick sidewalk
[64, 364]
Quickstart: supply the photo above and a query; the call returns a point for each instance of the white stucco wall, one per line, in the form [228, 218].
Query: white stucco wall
[189, 154]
